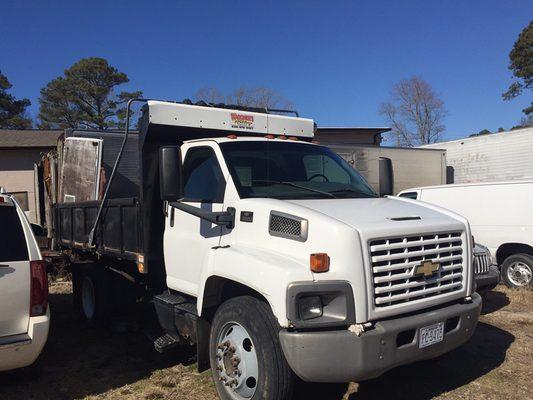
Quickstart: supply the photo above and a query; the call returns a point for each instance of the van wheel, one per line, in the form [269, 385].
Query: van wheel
[517, 270]
[93, 294]
[246, 358]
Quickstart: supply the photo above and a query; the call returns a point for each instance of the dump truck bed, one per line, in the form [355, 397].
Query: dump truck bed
[118, 234]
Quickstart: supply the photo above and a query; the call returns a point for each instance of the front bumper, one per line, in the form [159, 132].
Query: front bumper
[489, 279]
[342, 356]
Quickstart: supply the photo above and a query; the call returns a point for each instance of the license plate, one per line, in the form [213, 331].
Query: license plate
[429, 335]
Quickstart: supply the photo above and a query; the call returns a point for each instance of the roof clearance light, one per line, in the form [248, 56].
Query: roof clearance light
[282, 137]
[269, 136]
[293, 138]
[232, 136]
[319, 262]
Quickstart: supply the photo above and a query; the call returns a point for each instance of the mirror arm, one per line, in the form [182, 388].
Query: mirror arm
[224, 218]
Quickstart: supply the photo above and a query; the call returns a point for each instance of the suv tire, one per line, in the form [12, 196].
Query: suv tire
[244, 328]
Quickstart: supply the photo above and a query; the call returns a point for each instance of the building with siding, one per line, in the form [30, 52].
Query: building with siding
[19, 151]
[350, 135]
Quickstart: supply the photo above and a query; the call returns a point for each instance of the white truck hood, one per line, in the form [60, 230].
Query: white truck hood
[376, 214]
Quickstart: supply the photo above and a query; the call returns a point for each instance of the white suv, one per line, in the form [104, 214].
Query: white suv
[24, 313]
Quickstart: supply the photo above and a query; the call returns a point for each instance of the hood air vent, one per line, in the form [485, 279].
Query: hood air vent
[404, 218]
[287, 226]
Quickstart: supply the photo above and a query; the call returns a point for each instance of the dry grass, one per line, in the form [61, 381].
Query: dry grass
[82, 363]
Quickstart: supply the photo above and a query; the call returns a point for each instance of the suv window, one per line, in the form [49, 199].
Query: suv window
[13, 242]
[202, 176]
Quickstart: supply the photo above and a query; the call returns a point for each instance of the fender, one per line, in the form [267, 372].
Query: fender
[265, 272]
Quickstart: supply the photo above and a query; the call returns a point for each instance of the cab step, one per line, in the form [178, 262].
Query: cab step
[164, 343]
[177, 315]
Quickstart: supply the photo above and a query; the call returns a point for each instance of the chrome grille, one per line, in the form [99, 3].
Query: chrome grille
[481, 263]
[394, 261]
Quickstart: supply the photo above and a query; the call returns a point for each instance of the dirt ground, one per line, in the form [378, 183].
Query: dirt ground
[120, 363]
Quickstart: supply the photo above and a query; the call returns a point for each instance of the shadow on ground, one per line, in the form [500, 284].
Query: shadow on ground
[493, 301]
[80, 361]
[425, 380]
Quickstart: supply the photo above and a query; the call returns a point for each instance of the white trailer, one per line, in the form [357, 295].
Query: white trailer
[410, 167]
[494, 157]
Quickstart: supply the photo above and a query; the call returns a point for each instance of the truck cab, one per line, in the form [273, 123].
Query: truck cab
[275, 257]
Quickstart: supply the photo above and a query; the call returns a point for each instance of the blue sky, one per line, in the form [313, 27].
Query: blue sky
[335, 60]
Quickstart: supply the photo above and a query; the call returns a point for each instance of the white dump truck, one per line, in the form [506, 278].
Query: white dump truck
[267, 251]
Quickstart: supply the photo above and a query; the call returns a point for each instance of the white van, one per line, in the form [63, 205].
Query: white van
[24, 313]
[501, 218]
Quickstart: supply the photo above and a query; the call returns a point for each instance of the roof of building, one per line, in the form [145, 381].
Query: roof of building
[11, 138]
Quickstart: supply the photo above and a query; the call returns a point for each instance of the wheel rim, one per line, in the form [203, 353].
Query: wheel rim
[519, 273]
[236, 361]
[88, 298]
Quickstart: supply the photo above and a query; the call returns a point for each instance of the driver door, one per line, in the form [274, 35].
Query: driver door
[187, 238]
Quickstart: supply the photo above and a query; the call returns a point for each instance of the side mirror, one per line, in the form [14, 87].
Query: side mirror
[170, 173]
[386, 177]
[37, 229]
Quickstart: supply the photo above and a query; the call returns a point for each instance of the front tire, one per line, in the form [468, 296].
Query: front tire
[517, 270]
[247, 361]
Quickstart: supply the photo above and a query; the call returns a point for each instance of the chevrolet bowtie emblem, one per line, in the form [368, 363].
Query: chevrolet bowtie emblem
[427, 268]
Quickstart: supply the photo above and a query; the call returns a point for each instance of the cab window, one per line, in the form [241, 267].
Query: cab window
[202, 176]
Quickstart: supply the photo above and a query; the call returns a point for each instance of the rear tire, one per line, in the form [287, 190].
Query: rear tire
[517, 271]
[244, 329]
[92, 289]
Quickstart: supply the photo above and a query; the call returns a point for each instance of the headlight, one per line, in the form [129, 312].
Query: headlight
[310, 307]
[320, 304]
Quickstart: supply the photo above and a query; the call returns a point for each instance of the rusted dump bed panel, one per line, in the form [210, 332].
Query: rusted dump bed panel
[118, 234]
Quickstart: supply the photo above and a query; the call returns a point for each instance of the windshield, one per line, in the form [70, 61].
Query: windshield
[288, 170]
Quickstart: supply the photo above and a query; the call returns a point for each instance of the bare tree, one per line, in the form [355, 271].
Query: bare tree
[415, 113]
[259, 96]
[209, 94]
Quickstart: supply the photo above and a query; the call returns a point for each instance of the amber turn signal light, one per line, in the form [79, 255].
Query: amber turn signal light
[319, 262]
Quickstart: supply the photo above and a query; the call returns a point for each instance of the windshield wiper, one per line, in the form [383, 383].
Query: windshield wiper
[350, 190]
[296, 186]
